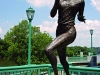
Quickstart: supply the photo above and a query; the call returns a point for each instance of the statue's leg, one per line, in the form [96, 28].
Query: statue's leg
[59, 42]
[53, 60]
[62, 57]
[49, 51]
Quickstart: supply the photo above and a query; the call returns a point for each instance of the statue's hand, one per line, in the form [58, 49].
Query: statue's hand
[81, 18]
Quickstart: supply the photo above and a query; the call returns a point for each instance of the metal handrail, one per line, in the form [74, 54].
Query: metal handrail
[46, 69]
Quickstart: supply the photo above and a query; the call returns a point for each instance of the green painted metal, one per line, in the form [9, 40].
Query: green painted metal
[91, 42]
[44, 69]
[30, 14]
[29, 44]
[91, 32]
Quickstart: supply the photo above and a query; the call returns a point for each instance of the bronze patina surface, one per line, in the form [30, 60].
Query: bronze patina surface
[65, 32]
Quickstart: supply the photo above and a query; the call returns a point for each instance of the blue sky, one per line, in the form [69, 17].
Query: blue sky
[14, 11]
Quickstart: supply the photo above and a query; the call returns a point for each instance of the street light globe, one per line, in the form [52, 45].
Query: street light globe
[30, 13]
[91, 31]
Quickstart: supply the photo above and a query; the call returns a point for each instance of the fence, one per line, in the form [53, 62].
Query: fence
[46, 69]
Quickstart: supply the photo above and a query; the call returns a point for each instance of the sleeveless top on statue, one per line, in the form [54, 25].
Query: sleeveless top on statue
[67, 11]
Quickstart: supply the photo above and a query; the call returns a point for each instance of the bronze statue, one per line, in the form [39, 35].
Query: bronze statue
[65, 32]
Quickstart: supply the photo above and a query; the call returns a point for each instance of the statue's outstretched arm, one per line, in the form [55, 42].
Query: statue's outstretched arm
[81, 11]
[54, 9]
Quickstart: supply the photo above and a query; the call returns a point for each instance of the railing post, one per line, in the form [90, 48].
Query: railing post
[38, 71]
[49, 71]
[79, 73]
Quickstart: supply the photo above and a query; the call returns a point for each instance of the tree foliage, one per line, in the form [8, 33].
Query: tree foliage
[40, 41]
[3, 48]
[17, 38]
[14, 46]
[75, 51]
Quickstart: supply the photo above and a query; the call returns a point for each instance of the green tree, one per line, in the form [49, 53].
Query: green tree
[75, 51]
[17, 38]
[85, 50]
[40, 41]
[3, 48]
[70, 52]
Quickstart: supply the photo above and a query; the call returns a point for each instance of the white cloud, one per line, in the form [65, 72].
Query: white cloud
[95, 24]
[49, 27]
[96, 4]
[83, 31]
[0, 30]
[90, 24]
[39, 3]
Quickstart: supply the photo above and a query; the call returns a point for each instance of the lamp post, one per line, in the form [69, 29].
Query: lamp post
[30, 13]
[91, 32]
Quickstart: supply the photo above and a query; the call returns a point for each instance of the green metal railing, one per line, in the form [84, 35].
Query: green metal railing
[82, 70]
[46, 69]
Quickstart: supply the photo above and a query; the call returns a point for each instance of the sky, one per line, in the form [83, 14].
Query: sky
[14, 11]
